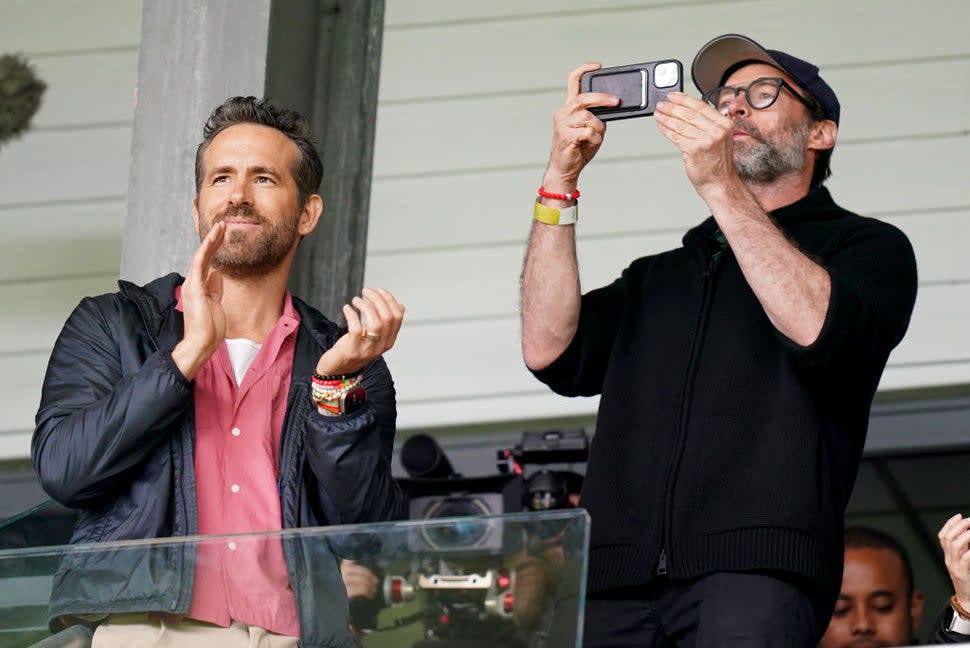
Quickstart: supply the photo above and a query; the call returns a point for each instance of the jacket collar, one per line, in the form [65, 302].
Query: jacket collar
[156, 301]
[316, 330]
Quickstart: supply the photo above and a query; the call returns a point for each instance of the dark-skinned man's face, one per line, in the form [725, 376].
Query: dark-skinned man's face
[874, 606]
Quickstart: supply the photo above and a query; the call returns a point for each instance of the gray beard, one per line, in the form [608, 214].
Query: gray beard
[769, 159]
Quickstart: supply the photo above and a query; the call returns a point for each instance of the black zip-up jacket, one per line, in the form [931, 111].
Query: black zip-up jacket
[720, 444]
[115, 438]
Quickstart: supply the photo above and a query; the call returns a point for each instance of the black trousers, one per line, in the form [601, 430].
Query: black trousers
[725, 609]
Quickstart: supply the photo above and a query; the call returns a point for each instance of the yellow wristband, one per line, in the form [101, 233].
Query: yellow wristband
[553, 216]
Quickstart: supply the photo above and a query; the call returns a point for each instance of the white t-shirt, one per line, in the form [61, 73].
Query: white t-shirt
[241, 355]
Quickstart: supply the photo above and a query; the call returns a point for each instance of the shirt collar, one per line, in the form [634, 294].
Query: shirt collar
[289, 311]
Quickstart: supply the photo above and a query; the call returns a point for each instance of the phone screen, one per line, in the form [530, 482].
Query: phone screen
[629, 85]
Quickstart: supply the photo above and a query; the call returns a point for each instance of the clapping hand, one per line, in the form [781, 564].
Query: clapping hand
[382, 315]
[205, 320]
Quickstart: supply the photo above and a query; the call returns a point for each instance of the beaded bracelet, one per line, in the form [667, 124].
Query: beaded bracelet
[333, 407]
[331, 390]
[320, 395]
[572, 195]
[347, 376]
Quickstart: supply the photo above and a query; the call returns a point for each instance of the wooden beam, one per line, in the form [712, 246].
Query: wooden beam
[329, 266]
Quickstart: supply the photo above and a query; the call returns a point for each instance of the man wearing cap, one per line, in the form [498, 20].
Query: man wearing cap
[735, 373]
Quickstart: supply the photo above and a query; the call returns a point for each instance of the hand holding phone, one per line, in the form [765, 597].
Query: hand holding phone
[639, 86]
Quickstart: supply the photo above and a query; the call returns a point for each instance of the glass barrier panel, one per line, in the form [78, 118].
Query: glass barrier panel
[514, 580]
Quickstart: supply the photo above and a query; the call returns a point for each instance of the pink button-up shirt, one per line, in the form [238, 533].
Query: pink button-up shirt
[237, 449]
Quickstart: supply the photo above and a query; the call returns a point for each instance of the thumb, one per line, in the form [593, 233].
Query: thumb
[213, 285]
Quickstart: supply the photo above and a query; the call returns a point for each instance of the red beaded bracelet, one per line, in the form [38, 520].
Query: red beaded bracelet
[573, 195]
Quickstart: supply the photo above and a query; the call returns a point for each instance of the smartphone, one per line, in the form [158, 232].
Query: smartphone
[639, 86]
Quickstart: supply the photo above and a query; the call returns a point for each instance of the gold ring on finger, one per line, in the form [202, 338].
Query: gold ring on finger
[371, 335]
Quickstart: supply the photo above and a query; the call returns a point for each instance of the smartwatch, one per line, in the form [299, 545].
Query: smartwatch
[353, 400]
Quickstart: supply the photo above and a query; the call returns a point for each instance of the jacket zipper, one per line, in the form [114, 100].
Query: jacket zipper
[702, 315]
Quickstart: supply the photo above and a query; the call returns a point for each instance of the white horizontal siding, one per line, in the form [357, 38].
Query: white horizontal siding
[453, 58]
[24, 373]
[938, 331]
[27, 333]
[445, 371]
[46, 27]
[62, 185]
[404, 15]
[447, 284]
[622, 196]
[65, 165]
[467, 93]
[476, 133]
[87, 88]
[42, 307]
[43, 241]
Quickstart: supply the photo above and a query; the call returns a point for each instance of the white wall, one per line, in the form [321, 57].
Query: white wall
[62, 185]
[467, 91]
[466, 96]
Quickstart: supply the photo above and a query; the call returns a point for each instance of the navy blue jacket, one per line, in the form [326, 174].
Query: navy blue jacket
[114, 439]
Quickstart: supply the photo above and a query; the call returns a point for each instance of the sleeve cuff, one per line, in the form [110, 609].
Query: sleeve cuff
[958, 624]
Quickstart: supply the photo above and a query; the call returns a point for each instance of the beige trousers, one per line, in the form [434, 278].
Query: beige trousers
[138, 631]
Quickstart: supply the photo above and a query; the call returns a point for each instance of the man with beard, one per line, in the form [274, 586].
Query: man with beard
[735, 373]
[878, 604]
[221, 404]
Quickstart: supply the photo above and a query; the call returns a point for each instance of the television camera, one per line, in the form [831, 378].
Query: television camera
[458, 568]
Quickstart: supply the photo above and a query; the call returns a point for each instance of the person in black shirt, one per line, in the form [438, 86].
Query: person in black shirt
[735, 373]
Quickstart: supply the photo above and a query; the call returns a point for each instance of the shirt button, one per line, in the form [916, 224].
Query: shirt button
[234, 488]
[232, 546]
[236, 431]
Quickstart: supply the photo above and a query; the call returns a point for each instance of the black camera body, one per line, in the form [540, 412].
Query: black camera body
[546, 490]
[457, 574]
[464, 497]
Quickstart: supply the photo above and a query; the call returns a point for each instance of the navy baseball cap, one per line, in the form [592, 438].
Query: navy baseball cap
[720, 57]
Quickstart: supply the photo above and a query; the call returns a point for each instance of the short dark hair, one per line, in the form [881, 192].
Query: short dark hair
[862, 537]
[308, 171]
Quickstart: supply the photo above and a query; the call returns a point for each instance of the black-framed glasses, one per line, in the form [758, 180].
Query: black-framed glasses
[760, 94]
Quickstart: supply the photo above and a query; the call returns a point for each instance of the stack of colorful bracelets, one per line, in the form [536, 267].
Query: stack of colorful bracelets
[326, 391]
